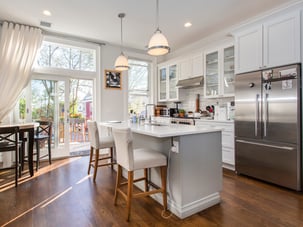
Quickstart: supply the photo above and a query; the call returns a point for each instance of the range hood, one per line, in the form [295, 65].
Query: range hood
[191, 82]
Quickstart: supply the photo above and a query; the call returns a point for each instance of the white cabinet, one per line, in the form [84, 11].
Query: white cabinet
[185, 66]
[219, 72]
[272, 43]
[197, 66]
[191, 66]
[167, 80]
[228, 144]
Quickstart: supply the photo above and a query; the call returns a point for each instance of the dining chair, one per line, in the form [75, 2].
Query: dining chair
[9, 143]
[43, 134]
[98, 142]
[131, 160]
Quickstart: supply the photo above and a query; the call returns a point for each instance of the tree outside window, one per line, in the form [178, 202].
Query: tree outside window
[55, 55]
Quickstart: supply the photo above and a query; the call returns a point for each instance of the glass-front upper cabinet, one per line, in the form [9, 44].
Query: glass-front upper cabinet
[212, 73]
[219, 72]
[162, 84]
[172, 70]
[229, 71]
[167, 80]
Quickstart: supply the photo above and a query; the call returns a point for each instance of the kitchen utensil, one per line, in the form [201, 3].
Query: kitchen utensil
[197, 103]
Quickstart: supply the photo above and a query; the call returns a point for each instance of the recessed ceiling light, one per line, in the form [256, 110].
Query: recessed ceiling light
[47, 13]
[187, 24]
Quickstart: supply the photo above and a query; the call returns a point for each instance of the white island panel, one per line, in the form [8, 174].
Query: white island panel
[194, 173]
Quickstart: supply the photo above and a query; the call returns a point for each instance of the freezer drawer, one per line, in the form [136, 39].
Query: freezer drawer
[275, 163]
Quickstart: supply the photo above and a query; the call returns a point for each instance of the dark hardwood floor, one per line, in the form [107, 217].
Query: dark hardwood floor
[63, 195]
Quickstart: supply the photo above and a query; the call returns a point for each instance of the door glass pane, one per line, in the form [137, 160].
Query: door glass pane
[44, 106]
[80, 110]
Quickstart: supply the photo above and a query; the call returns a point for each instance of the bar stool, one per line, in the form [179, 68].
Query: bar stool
[9, 143]
[136, 159]
[96, 143]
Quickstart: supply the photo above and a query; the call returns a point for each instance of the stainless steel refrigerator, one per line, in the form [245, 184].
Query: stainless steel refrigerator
[268, 125]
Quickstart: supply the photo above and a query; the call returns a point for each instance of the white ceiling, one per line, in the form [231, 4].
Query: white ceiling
[98, 19]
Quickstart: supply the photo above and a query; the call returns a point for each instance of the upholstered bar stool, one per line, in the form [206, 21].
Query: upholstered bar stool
[136, 159]
[98, 142]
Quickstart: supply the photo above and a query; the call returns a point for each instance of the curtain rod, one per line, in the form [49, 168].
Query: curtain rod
[59, 35]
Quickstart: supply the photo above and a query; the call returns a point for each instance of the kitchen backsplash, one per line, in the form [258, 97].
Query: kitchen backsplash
[188, 99]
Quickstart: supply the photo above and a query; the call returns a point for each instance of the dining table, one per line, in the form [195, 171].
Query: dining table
[26, 130]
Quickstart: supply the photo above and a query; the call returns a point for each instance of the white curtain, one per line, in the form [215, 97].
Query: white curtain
[19, 45]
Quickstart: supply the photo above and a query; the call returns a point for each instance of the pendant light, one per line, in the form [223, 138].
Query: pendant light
[121, 62]
[158, 44]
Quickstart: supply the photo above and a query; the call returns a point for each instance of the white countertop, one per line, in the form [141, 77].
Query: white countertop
[163, 130]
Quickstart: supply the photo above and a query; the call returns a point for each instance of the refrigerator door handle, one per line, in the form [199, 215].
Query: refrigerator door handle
[257, 114]
[265, 114]
[266, 145]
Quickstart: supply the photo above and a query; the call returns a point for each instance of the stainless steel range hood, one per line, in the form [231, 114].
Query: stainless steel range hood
[191, 82]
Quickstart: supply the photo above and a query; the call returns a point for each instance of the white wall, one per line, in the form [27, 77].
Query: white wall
[114, 101]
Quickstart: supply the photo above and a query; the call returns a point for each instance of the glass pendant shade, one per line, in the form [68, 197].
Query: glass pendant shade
[158, 44]
[121, 63]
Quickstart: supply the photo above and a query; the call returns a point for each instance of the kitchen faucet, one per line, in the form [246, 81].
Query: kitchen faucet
[149, 119]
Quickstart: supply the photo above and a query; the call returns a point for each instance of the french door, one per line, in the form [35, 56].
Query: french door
[68, 104]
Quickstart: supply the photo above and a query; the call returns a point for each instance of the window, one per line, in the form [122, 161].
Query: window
[56, 55]
[138, 86]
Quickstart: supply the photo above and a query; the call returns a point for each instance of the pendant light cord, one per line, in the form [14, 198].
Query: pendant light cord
[121, 15]
[157, 15]
[121, 35]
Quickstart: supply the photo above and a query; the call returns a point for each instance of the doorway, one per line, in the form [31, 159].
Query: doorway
[68, 104]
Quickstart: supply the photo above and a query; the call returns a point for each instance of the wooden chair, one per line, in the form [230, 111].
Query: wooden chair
[96, 143]
[43, 134]
[9, 142]
[136, 159]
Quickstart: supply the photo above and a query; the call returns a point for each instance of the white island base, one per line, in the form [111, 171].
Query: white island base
[194, 174]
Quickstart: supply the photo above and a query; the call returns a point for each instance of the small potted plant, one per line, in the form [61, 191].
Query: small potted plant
[181, 113]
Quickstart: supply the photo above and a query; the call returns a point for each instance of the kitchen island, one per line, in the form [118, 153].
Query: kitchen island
[194, 163]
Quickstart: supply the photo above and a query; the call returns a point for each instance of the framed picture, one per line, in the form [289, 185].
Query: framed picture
[113, 79]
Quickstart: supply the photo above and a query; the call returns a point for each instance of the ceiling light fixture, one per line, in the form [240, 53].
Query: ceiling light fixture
[187, 24]
[47, 13]
[158, 44]
[121, 62]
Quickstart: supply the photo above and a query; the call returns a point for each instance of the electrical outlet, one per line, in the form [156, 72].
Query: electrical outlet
[175, 147]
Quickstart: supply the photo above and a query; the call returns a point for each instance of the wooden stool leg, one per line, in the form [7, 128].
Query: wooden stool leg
[111, 157]
[49, 151]
[146, 180]
[22, 150]
[90, 159]
[19, 161]
[37, 155]
[163, 180]
[16, 167]
[129, 192]
[96, 164]
[118, 181]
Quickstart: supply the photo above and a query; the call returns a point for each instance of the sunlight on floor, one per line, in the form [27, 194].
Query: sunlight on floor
[10, 184]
